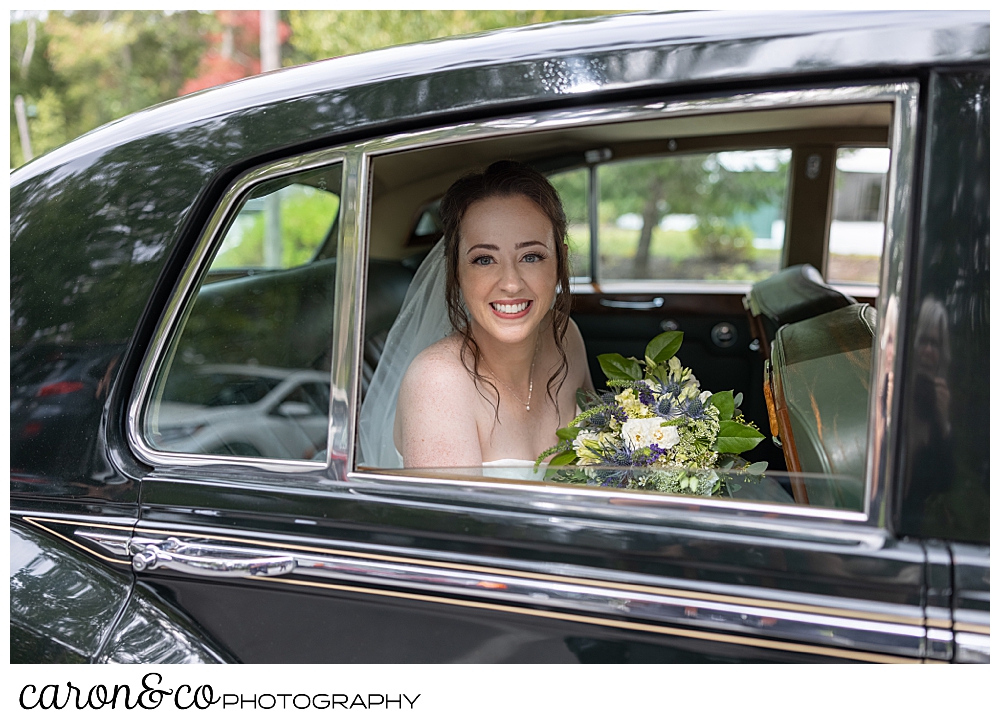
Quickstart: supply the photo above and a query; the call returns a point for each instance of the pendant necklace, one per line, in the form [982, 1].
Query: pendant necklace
[531, 375]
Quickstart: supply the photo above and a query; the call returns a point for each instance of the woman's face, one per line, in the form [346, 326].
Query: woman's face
[507, 267]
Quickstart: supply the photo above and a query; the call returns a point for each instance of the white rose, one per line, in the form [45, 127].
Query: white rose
[583, 437]
[649, 431]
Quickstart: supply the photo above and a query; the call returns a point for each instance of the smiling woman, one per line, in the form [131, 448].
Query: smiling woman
[469, 398]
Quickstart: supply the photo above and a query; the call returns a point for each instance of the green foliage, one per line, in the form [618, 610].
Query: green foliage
[735, 437]
[617, 367]
[330, 33]
[694, 184]
[721, 241]
[664, 346]
[87, 68]
[724, 403]
[307, 215]
[567, 433]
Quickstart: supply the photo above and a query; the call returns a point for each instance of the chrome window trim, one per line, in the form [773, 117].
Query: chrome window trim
[883, 400]
[902, 142]
[179, 305]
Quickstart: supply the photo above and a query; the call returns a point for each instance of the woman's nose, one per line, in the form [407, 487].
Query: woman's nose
[511, 280]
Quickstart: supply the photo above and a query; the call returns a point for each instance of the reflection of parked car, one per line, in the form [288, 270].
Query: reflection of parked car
[252, 411]
[143, 538]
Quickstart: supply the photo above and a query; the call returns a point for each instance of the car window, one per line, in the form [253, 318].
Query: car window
[671, 221]
[705, 216]
[280, 228]
[247, 371]
[857, 230]
[573, 187]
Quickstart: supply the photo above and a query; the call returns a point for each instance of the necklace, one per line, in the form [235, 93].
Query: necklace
[531, 382]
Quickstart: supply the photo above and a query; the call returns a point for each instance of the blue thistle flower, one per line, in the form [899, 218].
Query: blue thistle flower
[695, 410]
[598, 420]
[608, 398]
[672, 389]
[668, 408]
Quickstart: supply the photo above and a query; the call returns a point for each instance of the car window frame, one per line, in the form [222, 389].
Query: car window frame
[181, 301]
[351, 282]
[902, 94]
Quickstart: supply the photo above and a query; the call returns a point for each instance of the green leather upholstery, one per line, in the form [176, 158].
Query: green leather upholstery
[821, 370]
[791, 295]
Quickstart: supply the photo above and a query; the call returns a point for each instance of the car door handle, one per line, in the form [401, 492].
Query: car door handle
[654, 303]
[174, 555]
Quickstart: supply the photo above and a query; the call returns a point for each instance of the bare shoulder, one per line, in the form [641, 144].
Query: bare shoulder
[439, 366]
[435, 420]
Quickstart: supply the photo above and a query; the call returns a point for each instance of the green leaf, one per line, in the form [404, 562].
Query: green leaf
[737, 438]
[567, 433]
[758, 468]
[664, 346]
[564, 458]
[616, 367]
[738, 400]
[724, 403]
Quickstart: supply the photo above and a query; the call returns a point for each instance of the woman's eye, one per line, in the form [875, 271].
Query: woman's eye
[483, 260]
[532, 258]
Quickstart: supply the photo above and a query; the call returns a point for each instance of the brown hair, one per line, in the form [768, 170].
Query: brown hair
[505, 179]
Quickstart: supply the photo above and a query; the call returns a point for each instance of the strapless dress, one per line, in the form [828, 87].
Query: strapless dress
[513, 468]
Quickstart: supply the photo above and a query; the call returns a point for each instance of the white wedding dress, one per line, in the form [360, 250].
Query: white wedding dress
[422, 321]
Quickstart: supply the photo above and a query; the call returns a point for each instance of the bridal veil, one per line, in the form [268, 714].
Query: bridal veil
[422, 321]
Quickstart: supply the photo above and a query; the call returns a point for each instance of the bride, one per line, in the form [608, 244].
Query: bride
[492, 360]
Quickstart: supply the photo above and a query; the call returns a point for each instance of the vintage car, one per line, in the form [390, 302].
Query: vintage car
[804, 196]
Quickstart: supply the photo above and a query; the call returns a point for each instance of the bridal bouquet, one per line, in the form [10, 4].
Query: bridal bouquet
[656, 430]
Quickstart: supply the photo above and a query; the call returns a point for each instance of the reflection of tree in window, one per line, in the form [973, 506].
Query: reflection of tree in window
[304, 218]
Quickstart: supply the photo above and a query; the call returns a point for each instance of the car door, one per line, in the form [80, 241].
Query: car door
[277, 559]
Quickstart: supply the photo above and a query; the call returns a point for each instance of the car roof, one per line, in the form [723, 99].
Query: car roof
[617, 52]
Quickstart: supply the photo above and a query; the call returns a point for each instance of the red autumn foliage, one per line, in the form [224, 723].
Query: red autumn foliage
[234, 52]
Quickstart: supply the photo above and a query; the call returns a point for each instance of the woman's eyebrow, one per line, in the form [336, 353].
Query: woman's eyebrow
[491, 247]
[530, 243]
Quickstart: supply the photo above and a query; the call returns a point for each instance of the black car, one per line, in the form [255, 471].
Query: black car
[805, 196]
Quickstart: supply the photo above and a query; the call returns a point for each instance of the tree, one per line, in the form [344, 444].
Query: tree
[684, 184]
[233, 51]
[88, 68]
[318, 34]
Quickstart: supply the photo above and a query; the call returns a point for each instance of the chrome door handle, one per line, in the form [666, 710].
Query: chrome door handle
[654, 303]
[174, 555]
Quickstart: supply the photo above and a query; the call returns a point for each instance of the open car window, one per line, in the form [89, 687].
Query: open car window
[671, 221]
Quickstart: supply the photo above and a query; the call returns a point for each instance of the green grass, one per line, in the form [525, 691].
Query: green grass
[673, 255]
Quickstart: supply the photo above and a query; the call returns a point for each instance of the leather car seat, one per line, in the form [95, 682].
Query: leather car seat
[791, 295]
[817, 383]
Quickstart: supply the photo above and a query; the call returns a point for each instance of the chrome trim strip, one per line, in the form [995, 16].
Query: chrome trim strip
[884, 398]
[772, 621]
[647, 503]
[940, 644]
[568, 575]
[352, 283]
[971, 648]
[179, 305]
